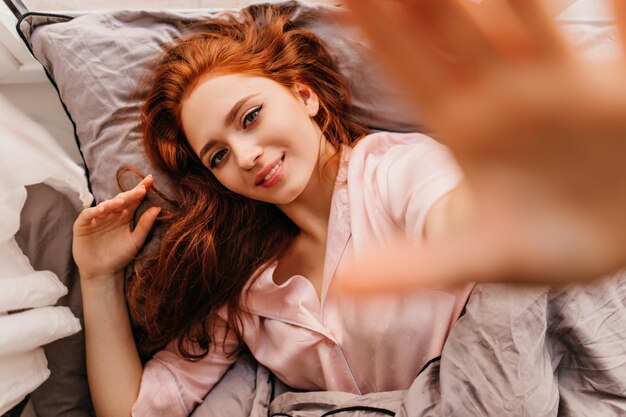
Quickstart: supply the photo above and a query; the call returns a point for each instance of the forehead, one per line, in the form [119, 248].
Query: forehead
[210, 101]
[222, 91]
[214, 96]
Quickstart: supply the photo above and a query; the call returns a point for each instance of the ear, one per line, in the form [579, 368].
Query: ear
[308, 97]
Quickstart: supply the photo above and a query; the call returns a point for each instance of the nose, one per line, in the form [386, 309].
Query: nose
[246, 153]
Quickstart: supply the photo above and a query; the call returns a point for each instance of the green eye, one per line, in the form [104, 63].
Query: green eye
[217, 157]
[251, 116]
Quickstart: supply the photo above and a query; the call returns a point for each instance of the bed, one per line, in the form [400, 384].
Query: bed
[533, 351]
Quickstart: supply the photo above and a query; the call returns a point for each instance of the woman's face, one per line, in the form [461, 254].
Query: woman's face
[255, 135]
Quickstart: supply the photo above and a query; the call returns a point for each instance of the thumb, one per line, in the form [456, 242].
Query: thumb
[406, 267]
[144, 225]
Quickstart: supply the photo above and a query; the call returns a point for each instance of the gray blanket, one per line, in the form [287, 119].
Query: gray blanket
[515, 352]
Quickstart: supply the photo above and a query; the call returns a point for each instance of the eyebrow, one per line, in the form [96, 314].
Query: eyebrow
[230, 117]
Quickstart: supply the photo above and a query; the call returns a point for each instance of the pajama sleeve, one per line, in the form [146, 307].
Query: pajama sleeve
[173, 386]
[413, 177]
[403, 176]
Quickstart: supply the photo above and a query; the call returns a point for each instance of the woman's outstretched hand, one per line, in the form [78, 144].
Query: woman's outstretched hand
[104, 242]
[539, 132]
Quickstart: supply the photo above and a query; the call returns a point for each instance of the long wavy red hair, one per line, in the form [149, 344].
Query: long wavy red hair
[215, 240]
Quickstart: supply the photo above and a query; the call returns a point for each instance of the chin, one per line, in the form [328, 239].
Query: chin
[280, 200]
[287, 197]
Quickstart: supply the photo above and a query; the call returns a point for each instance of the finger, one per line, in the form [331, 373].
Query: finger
[501, 27]
[130, 199]
[114, 204]
[407, 54]
[112, 218]
[134, 194]
[135, 197]
[619, 12]
[87, 215]
[120, 207]
[96, 215]
[541, 27]
[459, 32]
[147, 181]
[144, 225]
[141, 191]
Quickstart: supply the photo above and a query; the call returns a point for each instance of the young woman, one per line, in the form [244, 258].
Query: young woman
[279, 189]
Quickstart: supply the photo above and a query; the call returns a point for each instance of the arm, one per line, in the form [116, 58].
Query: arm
[113, 366]
[103, 245]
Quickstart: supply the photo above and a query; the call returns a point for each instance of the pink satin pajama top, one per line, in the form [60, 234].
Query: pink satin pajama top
[386, 185]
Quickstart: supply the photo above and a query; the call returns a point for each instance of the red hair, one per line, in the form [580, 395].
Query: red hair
[216, 240]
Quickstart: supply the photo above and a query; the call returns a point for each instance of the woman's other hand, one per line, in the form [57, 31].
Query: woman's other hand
[539, 132]
[104, 241]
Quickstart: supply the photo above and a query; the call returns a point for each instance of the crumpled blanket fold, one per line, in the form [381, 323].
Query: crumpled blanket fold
[30, 156]
[38, 289]
[516, 351]
[27, 369]
[30, 329]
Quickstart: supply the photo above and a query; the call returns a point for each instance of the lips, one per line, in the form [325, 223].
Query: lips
[269, 171]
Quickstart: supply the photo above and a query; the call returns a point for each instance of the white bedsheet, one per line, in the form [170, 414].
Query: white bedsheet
[29, 156]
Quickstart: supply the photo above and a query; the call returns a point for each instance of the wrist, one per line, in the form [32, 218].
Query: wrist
[103, 290]
[102, 281]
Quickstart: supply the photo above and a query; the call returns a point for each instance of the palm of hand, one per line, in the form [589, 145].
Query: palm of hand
[105, 245]
[104, 242]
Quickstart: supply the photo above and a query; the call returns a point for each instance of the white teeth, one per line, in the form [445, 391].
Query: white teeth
[273, 171]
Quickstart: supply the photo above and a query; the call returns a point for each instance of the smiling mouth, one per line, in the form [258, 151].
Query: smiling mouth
[272, 172]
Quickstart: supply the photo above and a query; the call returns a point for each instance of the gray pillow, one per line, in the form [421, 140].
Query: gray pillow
[96, 60]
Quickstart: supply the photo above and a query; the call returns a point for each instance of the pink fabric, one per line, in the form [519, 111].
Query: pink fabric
[385, 186]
